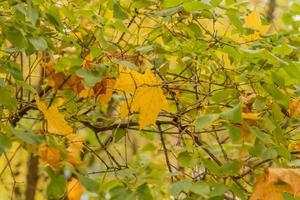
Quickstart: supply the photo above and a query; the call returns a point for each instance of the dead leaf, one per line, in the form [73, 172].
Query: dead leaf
[104, 90]
[61, 81]
[147, 96]
[275, 181]
[75, 189]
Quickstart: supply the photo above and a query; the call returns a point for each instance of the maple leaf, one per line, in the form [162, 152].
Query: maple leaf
[74, 190]
[49, 155]
[55, 120]
[253, 21]
[147, 98]
[268, 187]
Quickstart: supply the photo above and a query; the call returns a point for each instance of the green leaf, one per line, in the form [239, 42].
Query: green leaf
[27, 137]
[195, 6]
[120, 133]
[145, 49]
[169, 11]
[6, 97]
[5, 143]
[185, 159]
[89, 184]
[234, 18]
[279, 96]
[203, 121]
[261, 135]
[53, 16]
[177, 187]
[121, 193]
[26, 86]
[119, 12]
[38, 43]
[230, 168]
[234, 114]
[13, 69]
[141, 4]
[292, 69]
[144, 192]
[57, 185]
[259, 149]
[215, 2]
[200, 188]
[211, 166]
[283, 49]
[219, 190]
[235, 133]
[16, 37]
[119, 25]
[90, 77]
[33, 13]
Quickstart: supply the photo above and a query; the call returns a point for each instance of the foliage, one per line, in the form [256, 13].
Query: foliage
[149, 99]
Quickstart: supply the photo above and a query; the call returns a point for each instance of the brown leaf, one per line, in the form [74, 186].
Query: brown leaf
[275, 181]
[60, 81]
[104, 90]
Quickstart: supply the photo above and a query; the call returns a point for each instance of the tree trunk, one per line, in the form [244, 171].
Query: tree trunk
[32, 177]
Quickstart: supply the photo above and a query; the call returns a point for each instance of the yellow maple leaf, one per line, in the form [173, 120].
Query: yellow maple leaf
[268, 188]
[75, 189]
[49, 155]
[56, 121]
[253, 21]
[147, 98]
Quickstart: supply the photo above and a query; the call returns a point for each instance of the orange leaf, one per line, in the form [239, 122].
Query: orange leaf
[108, 85]
[275, 181]
[75, 189]
[294, 107]
[50, 155]
[61, 81]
